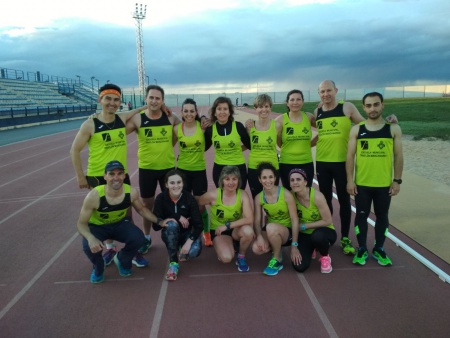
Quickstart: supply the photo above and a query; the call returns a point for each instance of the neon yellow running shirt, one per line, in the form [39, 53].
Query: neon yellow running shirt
[106, 213]
[296, 141]
[155, 143]
[277, 212]
[221, 213]
[107, 144]
[263, 146]
[227, 149]
[310, 214]
[192, 149]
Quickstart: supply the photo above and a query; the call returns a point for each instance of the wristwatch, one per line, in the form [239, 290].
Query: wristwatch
[294, 244]
[228, 225]
[398, 180]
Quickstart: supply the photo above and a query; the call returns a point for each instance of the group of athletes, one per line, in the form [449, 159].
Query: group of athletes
[364, 160]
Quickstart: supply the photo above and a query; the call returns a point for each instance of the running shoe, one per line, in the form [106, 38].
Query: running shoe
[241, 264]
[273, 267]
[139, 261]
[380, 256]
[207, 238]
[147, 245]
[360, 256]
[347, 247]
[325, 264]
[172, 273]
[122, 271]
[108, 256]
[96, 279]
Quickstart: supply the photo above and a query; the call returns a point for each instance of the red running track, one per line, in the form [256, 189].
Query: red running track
[45, 289]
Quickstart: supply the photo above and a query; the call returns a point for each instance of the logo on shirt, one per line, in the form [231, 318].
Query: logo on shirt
[220, 213]
[362, 134]
[269, 140]
[381, 145]
[289, 131]
[364, 145]
[148, 132]
[255, 139]
[334, 123]
[216, 145]
[121, 135]
[183, 145]
[198, 143]
[236, 214]
[305, 130]
[106, 137]
[163, 132]
[231, 144]
[319, 124]
[104, 216]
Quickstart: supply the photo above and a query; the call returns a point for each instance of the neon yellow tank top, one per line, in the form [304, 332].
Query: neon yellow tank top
[264, 146]
[192, 149]
[228, 150]
[221, 213]
[333, 127]
[105, 145]
[106, 213]
[277, 212]
[310, 214]
[374, 157]
[155, 149]
[296, 141]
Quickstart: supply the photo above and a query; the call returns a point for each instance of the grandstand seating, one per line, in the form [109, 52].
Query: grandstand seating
[20, 93]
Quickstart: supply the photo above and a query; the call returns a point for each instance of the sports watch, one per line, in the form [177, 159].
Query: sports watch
[398, 180]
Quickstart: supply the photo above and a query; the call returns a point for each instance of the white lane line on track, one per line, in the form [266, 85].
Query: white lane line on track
[35, 201]
[125, 279]
[34, 146]
[159, 308]
[30, 284]
[227, 274]
[32, 198]
[322, 315]
[31, 156]
[32, 172]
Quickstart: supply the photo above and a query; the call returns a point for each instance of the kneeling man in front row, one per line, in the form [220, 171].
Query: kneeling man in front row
[104, 216]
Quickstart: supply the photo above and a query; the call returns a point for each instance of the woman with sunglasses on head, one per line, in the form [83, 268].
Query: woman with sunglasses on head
[279, 206]
[191, 160]
[179, 212]
[316, 229]
[231, 218]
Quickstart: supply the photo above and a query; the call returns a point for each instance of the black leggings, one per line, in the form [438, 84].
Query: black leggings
[327, 172]
[381, 202]
[321, 240]
[174, 237]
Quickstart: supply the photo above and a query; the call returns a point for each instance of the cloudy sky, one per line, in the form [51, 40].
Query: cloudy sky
[201, 46]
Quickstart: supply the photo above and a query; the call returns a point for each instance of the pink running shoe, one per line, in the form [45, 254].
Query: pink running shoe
[325, 264]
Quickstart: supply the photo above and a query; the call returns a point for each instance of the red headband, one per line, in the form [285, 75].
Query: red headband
[109, 91]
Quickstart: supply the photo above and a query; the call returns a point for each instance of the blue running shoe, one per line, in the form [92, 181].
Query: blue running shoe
[242, 265]
[108, 256]
[139, 261]
[273, 267]
[96, 279]
[122, 271]
[147, 245]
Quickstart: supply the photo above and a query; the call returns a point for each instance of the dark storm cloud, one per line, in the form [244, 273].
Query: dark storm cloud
[310, 43]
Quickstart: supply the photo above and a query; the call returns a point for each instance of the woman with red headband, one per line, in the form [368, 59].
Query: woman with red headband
[316, 228]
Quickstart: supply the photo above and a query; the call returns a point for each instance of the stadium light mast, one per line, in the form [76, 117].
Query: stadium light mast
[139, 15]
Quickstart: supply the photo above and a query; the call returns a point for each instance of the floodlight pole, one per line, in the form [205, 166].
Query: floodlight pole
[139, 15]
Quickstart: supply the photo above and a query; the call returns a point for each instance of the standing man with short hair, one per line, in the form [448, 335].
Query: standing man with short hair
[377, 146]
[105, 136]
[333, 122]
[154, 130]
[104, 216]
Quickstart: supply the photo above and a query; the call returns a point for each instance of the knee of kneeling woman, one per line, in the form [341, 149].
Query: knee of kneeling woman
[196, 249]
[171, 225]
[247, 232]
[301, 267]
